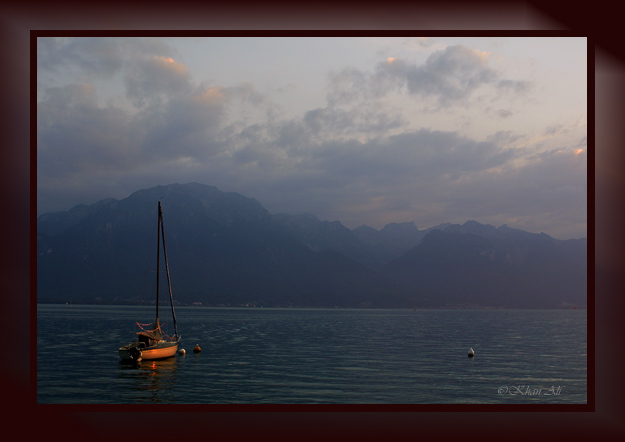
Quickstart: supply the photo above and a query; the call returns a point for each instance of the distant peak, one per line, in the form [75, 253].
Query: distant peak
[366, 227]
[473, 223]
[403, 226]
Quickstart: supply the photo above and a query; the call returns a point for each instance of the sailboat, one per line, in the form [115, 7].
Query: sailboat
[152, 343]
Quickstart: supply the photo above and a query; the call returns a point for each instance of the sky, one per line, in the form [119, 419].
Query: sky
[363, 130]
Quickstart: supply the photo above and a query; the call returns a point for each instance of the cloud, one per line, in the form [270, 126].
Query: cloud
[175, 121]
[75, 135]
[304, 164]
[99, 56]
[360, 158]
[153, 75]
[80, 138]
[95, 56]
[369, 119]
[396, 172]
[425, 41]
[145, 64]
[449, 76]
[184, 124]
[514, 85]
[556, 129]
[349, 85]
[548, 189]
[428, 176]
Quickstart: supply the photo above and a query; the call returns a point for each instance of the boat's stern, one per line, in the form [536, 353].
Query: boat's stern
[130, 352]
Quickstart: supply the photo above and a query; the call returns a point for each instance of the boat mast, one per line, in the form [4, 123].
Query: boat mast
[158, 256]
[171, 297]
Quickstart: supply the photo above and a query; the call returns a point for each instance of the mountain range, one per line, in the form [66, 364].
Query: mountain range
[227, 249]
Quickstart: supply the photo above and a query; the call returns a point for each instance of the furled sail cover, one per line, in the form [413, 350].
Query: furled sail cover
[155, 333]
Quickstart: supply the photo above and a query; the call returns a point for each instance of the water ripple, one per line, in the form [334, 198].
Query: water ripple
[316, 356]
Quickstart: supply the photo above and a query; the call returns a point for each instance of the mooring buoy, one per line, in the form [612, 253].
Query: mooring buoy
[471, 353]
[197, 349]
[181, 352]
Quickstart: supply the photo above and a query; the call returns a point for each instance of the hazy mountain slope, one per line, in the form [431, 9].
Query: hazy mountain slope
[223, 248]
[533, 271]
[226, 249]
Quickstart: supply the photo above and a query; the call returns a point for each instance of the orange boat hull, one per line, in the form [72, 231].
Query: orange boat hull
[159, 351]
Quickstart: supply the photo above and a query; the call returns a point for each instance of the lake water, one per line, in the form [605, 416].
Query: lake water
[316, 356]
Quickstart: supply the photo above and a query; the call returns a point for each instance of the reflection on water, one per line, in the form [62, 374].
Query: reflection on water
[150, 378]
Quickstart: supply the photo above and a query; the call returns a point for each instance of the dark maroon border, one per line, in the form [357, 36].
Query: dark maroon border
[600, 418]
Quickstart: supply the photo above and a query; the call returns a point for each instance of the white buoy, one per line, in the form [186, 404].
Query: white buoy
[471, 353]
[181, 352]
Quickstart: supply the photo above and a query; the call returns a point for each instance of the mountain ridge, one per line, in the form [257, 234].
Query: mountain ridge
[229, 250]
